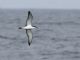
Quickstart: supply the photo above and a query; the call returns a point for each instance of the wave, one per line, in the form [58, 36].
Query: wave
[59, 23]
[10, 38]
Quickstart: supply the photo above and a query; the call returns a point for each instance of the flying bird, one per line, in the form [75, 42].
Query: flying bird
[28, 27]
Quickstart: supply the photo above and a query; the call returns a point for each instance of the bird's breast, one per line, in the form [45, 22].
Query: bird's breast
[28, 27]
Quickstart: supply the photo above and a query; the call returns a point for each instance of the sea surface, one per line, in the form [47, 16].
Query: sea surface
[57, 36]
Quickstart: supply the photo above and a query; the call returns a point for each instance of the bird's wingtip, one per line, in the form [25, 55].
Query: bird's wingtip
[29, 44]
[29, 12]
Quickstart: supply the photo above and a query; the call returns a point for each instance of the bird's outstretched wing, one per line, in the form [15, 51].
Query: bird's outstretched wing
[29, 34]
[29, 18]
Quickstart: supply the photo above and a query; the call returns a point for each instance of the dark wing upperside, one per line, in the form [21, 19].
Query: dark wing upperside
[29, 18]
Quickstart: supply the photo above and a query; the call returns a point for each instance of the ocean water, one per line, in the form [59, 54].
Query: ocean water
[57, 36]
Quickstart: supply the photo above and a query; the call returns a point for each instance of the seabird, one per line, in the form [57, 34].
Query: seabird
[28, 27]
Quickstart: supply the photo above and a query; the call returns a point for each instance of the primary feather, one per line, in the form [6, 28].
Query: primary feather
[29, 18]
[29, 34]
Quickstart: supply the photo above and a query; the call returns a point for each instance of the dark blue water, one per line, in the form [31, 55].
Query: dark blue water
[58, 36]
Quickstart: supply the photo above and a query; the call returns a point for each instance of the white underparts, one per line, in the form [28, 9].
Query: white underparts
[28, 27]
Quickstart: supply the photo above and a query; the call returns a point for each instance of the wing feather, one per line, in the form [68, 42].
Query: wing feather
[29, 18]
[29, 34]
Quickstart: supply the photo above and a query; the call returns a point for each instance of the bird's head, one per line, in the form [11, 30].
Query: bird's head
[20, 28]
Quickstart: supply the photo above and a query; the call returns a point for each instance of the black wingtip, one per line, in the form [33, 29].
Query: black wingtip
[29, 15]
[29, 43]
[29, 12]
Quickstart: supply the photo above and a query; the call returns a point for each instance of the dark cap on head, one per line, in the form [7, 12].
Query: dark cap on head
[20, 28]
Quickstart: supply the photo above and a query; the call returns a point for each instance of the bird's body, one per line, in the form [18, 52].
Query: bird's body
[28, 27]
